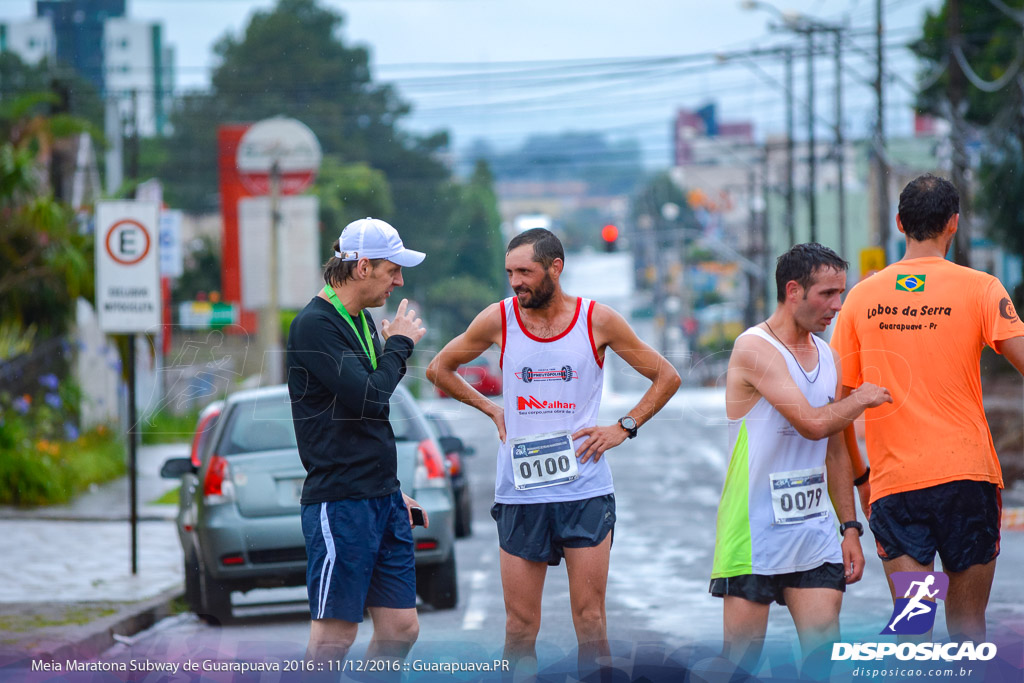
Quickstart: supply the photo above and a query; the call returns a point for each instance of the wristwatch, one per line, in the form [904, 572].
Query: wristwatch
[851, 525]
[629, 424]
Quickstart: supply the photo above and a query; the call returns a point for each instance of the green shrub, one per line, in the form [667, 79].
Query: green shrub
[43, 472]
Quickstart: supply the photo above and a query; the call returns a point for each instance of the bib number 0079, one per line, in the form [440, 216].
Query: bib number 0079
[800, 500]
[799, 495]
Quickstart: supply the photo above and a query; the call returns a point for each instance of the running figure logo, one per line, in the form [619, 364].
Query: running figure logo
[914, 613]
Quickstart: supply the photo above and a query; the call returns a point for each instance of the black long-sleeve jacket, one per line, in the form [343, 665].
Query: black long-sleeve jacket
[340, 405]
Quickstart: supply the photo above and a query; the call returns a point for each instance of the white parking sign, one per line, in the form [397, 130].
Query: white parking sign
[127, 266]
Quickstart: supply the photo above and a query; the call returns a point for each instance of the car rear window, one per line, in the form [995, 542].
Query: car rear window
[406, 419]
[263, 424]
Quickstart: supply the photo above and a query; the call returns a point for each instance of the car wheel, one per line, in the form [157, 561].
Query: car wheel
[463, 514]
[216, 601]
[437, 584]
[193, 585]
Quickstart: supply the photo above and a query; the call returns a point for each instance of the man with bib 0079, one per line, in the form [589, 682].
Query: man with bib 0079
[553, 492]
[776, 538]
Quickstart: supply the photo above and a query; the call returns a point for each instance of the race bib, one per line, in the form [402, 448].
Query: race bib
[799, 495]
[543, 460]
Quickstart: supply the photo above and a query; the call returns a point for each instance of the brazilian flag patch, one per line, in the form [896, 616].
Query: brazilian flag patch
[910, 283]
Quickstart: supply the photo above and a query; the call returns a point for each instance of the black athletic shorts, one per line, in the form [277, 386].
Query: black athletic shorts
[539, 532]
[959, 520]
[768, 588]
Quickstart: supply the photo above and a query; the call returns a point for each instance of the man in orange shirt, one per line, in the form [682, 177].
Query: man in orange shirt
[918, 328]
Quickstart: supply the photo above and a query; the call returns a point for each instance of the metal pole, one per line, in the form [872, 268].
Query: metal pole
[270, 320]
[812, 169]
[840, 180]
[765, 238]
[955, 91]
[750, 311]
[790, 152]
[880, 163]
[133, 514]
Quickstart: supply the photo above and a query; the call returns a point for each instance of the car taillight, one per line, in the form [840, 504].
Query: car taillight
[217, 487]
[430, 470]
[454, 464]
[204, 424]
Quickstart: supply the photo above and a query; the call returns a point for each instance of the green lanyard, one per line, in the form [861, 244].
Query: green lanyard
[366, 342]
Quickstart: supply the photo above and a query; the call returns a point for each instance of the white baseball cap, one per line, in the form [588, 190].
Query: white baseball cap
[373, 238]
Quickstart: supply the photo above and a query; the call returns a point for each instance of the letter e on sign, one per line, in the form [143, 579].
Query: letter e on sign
[127, 242]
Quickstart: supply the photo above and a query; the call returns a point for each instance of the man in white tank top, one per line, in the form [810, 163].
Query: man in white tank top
[776, 537]
[553, 490]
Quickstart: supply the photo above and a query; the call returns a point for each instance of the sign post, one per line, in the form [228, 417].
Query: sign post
[276, 156]
[128, 302]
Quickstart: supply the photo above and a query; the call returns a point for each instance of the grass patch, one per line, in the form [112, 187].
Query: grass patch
[46, 472]
[74, 616]
[169, 498]
[179, 605]
[167, 428]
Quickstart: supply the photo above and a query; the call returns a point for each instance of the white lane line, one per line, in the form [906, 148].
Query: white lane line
[473, 619]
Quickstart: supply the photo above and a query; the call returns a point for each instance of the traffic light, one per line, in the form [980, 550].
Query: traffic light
[610, 235]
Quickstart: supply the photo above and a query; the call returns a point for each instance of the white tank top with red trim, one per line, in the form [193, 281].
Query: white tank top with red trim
[550, 385]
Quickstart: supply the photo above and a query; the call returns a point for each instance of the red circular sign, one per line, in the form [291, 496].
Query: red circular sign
[127, 242]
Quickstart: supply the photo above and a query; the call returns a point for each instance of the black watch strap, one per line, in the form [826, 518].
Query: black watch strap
[862, 479]
[851, 525]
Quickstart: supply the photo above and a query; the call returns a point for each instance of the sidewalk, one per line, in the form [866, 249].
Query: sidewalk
[66, 586]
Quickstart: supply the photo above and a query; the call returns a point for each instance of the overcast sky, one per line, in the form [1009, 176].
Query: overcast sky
[466, 64]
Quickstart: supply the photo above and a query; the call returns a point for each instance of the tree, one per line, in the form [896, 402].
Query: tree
[348, 192]
[45, 262]
[993, 49]
[290, 61]
[469, 270]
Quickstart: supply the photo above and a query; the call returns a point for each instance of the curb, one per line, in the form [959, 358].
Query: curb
[88, 641]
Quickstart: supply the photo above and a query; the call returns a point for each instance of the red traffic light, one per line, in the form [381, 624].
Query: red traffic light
[609, 233]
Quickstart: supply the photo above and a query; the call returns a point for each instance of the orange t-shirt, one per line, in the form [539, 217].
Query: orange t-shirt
[918, 328]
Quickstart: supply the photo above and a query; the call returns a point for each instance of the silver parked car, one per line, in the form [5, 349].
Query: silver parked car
[238, 510]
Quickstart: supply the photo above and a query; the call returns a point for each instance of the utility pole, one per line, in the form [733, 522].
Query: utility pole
[812, 168]
[840, 183]
[754, 235]
[790, 152]
[955, 92]
[878, 153]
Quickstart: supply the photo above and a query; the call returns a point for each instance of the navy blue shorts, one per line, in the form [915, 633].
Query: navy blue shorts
[768, 588]
[959, 520]
[539, 532]
[360, 554]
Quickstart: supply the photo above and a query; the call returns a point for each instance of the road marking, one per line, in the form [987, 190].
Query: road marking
[473, 619]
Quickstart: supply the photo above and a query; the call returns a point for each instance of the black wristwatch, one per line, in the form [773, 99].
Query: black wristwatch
[851, 525]
[629, 424]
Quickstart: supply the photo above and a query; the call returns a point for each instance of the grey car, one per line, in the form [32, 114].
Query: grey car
[238, 512]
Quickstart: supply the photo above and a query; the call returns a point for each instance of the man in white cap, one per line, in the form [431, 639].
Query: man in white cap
[356, 520]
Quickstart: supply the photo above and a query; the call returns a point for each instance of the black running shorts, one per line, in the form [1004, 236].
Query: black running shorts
[540, 532]
[765, 588]
[959, 520]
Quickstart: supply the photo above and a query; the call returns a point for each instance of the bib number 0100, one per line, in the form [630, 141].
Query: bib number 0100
[543, 460]
[550, 466]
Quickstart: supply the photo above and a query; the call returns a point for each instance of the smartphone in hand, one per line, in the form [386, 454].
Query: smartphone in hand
[417, 516]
